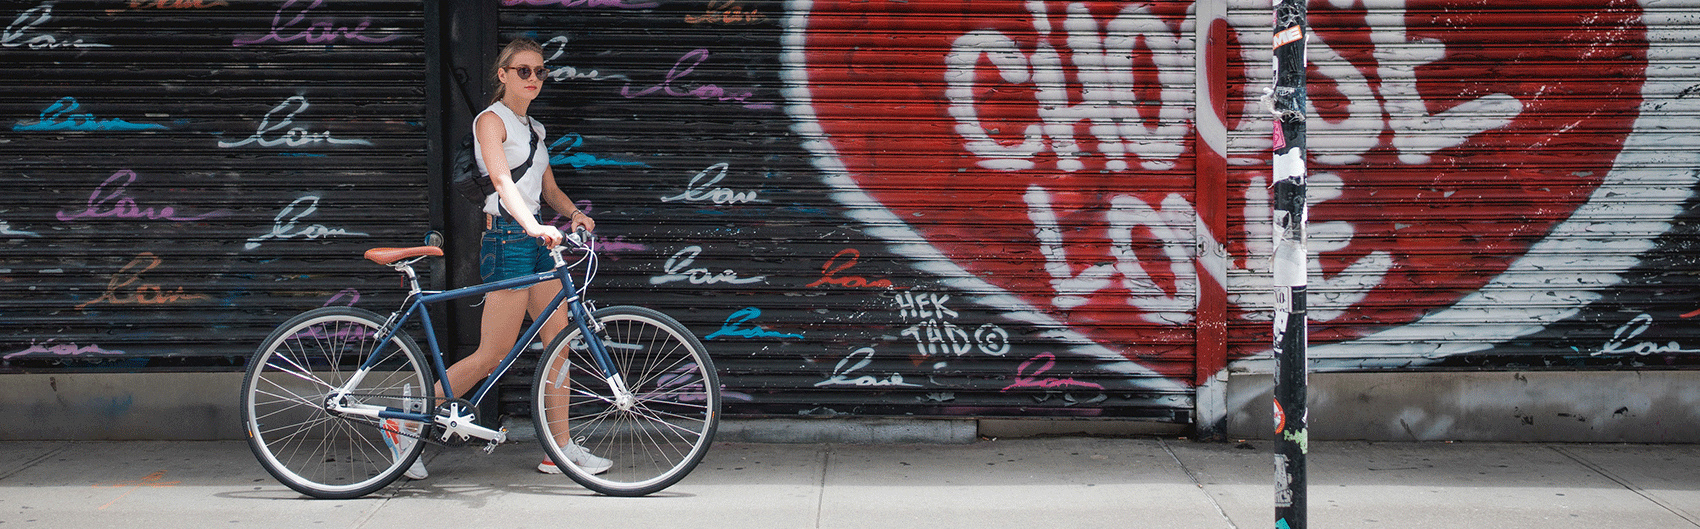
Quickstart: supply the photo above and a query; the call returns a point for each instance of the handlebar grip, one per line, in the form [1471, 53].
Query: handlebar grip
[580, 236]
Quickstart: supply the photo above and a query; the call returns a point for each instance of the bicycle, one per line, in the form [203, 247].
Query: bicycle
[626, 383]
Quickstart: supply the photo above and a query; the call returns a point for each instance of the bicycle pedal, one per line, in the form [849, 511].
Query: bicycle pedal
[501, 437]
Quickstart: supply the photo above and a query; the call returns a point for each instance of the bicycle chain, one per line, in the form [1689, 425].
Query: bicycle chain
[380, 427]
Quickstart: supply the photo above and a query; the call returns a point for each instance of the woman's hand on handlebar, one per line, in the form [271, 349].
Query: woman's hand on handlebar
[582, 222]
[549, 235]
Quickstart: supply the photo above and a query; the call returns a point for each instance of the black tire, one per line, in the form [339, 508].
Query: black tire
[296, 439]
[657, 440]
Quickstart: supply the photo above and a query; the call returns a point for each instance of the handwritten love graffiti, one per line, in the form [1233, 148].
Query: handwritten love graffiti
[287, 224]
[128, 288]
[683, 68]
[284, 133]
[291, 25]
[63, 115]
[61, 349]
[111, 199]
[25, 31]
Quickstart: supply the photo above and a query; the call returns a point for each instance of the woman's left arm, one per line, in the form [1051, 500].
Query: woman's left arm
[559, 201]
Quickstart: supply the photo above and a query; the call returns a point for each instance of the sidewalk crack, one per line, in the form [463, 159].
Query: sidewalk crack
[1196, 483]
[27, 464]
[820, 496]
[1691, 519]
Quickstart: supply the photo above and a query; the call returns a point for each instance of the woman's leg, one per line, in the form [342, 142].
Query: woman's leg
[504, 312]
[541, 295]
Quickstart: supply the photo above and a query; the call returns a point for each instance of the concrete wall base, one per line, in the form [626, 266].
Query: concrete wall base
[1535, 406]
[120, 406]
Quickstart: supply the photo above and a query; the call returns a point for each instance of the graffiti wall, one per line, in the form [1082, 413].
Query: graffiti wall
[1015, 207]
[987, 208]
[180, 176]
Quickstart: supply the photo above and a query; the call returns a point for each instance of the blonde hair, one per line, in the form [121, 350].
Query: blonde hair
[506, 58]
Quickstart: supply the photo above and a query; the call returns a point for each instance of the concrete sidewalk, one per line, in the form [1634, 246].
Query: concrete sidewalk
[1028, 483]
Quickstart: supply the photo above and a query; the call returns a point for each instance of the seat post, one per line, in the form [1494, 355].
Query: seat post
[406, 268]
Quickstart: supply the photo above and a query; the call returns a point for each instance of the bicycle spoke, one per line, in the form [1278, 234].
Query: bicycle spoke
[307, 359]
[659, 438]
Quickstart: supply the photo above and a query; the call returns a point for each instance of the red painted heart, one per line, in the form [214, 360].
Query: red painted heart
[1044, 149]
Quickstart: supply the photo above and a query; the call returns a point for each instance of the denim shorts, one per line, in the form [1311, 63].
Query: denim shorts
[507, 252]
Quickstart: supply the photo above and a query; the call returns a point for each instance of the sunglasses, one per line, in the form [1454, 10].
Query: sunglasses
[525, 73]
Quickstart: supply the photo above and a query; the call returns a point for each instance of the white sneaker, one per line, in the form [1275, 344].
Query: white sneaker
[400, 437]
[400, 443]
[579, 456]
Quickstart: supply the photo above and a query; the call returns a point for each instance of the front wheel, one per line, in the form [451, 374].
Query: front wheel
[635, 447]
[291, 431]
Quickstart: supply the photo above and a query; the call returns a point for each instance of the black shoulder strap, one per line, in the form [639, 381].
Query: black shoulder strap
[519, 172]
[531, 155]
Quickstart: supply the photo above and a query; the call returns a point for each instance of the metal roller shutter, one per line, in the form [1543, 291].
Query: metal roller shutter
[790, 180]
[182, 176]
[1493, 184]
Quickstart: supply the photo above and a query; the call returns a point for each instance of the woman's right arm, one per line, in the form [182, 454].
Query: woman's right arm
[491, 133]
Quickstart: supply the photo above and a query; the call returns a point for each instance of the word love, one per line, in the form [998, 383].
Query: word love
[557, 47]
[318, 30]
[290, 229]
[340, 331]
[1623, 340]
[708, 92]
[579, 160]
[734, 326]
[699, 191]
[63, 349]
[726, 12]
[1125, 215]
[110, 200]
[676, 271]
[63, 115]
[614, 4]
[6, 229]
[126, 286]
[845, 376]
[830, 270]
[1030, 375]
[22, 32]
[171, 4]
[284, 133]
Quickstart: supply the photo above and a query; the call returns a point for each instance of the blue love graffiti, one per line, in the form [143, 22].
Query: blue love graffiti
[63, 115]
[580, 160]
[317, 30]
[111, 200]
[734, 326]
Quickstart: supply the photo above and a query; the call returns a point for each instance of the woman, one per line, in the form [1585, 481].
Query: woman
[502, 141]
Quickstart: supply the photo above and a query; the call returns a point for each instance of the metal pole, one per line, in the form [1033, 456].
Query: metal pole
[1288, 101]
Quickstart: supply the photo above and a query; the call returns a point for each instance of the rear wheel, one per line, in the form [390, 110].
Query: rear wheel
[645, 445]
[299, 441]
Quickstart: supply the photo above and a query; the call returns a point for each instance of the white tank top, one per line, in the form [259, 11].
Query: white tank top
[530, 185]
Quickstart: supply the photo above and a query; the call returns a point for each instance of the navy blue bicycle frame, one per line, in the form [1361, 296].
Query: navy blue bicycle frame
[415, 302]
